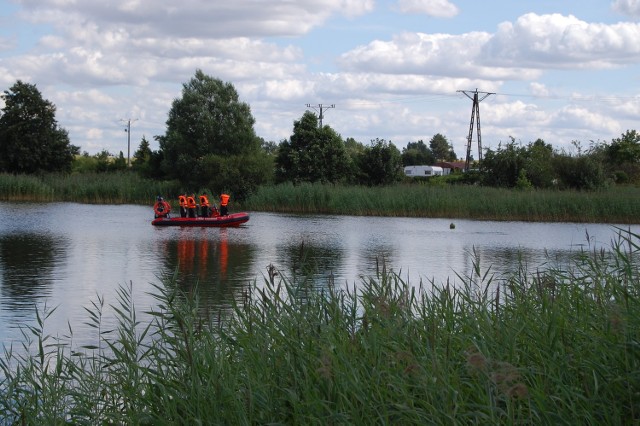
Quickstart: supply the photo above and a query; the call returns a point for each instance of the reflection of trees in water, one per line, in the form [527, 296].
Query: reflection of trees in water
[27, 263]
[218, 269]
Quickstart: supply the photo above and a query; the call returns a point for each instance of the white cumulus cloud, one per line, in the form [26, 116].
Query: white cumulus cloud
[436, 8]
[627, 7]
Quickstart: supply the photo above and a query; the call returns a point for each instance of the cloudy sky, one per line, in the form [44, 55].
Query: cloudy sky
[560, 70]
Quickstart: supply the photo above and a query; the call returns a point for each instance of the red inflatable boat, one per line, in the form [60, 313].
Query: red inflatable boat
[234, 219]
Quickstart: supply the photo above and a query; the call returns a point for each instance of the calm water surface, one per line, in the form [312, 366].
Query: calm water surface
[65, 255]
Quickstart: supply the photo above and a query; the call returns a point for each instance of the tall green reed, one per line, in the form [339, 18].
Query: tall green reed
[616, 205]
[99, 188]
[532, 347]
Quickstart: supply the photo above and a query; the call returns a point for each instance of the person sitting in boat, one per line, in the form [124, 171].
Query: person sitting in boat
[204, 205]
[161, 208]
[191, 205]
[182, 200]
[224, 202]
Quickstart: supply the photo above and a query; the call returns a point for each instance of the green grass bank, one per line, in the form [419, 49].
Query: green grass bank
[91, 188]
[613, 205]
[545, 347]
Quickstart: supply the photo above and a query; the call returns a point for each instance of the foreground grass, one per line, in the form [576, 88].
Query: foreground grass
[615, 205]
[551, 347]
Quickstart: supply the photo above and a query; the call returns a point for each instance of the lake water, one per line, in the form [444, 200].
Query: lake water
[65, 255]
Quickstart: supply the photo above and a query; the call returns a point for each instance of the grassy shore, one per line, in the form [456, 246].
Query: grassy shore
[93, 188]
[551, 347]
[613, 205]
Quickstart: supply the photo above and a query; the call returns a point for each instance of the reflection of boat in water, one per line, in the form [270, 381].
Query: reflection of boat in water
[234, 219]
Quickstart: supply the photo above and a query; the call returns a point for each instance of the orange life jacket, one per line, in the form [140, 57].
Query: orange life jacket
[204, 201]
[191, 202]
[182, 200]
[224, 199]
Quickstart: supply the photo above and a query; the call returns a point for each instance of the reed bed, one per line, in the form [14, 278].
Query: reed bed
[615, 205]
[619, 205]
[24, 188]
[95, 188]
[546, 347]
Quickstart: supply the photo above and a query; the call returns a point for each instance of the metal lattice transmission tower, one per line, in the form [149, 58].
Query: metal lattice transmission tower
[475, 112]
[320, 109]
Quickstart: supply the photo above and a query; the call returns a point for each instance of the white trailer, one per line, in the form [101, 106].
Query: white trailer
[423, 171]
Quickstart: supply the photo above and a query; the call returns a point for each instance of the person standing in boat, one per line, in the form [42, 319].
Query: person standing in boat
[204, 205]
[182, 200]
[191, 205]
[224, 202]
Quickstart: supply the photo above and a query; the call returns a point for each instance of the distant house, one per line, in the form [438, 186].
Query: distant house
[451, 166]
[423, 171]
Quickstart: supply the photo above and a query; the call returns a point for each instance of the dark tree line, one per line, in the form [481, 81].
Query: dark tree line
[210, 143]
[538, 165]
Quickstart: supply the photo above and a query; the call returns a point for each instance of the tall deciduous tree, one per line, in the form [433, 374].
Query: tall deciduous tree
[381, 163]
[30, 139]
[209, 126]
[417, 153]
[312, 154]
[441, 148]
[208, 119]
[625, 149]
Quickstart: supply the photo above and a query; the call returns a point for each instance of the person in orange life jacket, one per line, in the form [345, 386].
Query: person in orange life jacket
[204, 205]
[182, 200]
[224, 202]
[161, 208]
[191, 205]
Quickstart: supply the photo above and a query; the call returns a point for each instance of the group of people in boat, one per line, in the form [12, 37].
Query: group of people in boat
[192, 209]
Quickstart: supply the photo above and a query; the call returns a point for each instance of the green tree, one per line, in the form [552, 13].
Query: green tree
[208, 119]
[502, 166]
[142, 154]
[209, 126]
[623, 157]
[30, 139]
[625, 149]
[539, 164]
[104, 160]
[119, 163]
[441, 149]
[142, 158]
[416, 154]
[583, 172]
[381, 163]
[84, 163]
[355, 150]
[312, 154]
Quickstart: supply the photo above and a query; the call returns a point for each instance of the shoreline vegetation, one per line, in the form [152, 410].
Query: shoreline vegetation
[543, 347]
[617, 205]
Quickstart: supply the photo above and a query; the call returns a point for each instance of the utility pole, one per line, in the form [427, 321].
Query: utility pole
[128, 130]
[475, 111]
[321, 108]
